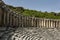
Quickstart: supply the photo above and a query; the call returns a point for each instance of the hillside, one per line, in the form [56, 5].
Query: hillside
[35, 13]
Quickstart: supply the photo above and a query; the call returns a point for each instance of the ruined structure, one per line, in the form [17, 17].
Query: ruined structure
[29, 28]
[12, 19]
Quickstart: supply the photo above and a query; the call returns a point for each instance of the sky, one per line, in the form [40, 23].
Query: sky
[40, 5]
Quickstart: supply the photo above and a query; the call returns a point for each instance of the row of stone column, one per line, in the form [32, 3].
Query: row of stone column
[48, 23]
[13, 19]
[10, 18]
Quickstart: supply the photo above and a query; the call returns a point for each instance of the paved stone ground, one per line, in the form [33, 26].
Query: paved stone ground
[29, 33]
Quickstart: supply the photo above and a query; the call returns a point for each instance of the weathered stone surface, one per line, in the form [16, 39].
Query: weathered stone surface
[30, 33]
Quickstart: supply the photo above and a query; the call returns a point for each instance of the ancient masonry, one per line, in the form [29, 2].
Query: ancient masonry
[11, 18]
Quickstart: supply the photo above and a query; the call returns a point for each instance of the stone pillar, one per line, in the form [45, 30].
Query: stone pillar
[15, 22]
[22, 21]
[59, 24]
[19, 20]
[44, 22]
[56, 23]
[32, 21]
[51, 24]
[48, 23]
[8, 18]
[5, 18]
[16, 19]
[1, 16]
[25, 21]
[40, 23]
[11, 19]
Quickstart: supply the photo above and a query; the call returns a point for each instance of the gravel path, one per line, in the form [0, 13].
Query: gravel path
[29, 33]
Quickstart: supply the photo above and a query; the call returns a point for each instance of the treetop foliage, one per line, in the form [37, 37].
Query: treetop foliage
[35, 13]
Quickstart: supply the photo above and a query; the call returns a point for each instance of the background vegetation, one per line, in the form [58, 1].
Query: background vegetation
[35, 13]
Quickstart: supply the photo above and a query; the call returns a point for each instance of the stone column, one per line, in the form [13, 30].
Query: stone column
[8, 18]
[48, 24]
[59, 24]
[19, 20]
[44, 22]
[40, 23]
[16, 19]
[1, 16]
[22, 20]
[11, 19]
[25, 21]
[32, 21]
[56, 23]
[38, 20]
[51, 24]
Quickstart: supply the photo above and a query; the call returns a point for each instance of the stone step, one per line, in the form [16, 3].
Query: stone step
[7, 36]
[2, 28]
[1, 33]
